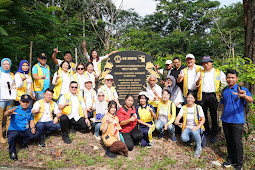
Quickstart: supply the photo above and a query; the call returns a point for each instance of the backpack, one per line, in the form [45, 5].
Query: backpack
[245, 104]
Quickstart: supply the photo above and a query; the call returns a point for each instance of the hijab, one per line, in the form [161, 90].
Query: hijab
[173, 88]
[5, 59]
[20, 67]
[101, 106]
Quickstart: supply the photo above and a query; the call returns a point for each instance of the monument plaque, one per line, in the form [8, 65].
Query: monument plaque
[130, 70]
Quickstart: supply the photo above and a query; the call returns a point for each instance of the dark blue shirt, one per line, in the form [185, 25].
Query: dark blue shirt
[233, 111]
[20, 121]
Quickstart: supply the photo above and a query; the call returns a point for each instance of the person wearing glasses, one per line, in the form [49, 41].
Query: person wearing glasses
[22, 126]
[61, 80]
[41, 75]
[110, 91]
[79, 76]
[74, 112]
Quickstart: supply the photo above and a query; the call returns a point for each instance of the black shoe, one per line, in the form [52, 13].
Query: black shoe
[110, 154]
[47, 136]
[41, 143]
[213, 139]
[73, 130]
[239, 167]
[13, 156]
[23, 146]
[66, 139]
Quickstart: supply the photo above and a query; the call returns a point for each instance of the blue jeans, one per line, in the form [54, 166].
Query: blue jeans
[4, 104]
[46, 128]
[39, 96]
[187, 133]
[160, 127]
[97, 126]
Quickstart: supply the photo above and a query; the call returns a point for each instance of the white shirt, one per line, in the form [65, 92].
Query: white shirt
[208, 81]
[65, 82]
[190, 121]
[89, 96]
[75, 106]
[46, 117]
[20, 83]
[150, 93]
[5, 94]
[109, 92]
[179, 98]
[91, 76]
[95, 62]
[60, 61]
[192, 75]
[81, 80]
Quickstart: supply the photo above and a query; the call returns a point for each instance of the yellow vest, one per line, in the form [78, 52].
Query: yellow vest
[106, 94]
[39, 115]
[99, 67]
[171, 110]
[93, 96]
[216, 84]
[58, 87]
[196, 117]
[185, 79]
[23, 90]
[38, 84]
[67, 110]
[145, 114]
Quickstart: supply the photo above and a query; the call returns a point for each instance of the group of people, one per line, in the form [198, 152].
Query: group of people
[179, 101]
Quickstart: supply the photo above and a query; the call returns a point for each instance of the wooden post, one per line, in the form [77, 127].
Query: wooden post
[30, 57]
[76, 56]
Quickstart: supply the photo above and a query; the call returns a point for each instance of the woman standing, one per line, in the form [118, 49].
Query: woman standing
[61, 80]
[145, 114]
[90, 73]
[7, 93]
[24, 82]
[193, 120]
[79, 77]
[110, 131]
[128, 121]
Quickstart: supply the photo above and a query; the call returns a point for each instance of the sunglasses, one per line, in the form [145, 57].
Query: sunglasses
[110, 80]
[74, 87]
[80, 68]
[100, 95]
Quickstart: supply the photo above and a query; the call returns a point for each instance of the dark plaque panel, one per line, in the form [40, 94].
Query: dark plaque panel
[130, 70]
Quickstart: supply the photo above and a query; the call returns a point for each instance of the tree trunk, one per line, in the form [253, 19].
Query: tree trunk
[249, 24]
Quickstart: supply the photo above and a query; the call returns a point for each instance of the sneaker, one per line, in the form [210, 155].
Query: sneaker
[110, 154]
[149, 145]
[41, 143]
[197, 153]
[239, 167]
[213, 139]
[47, 136]
[98, 138]
[73, 130]
[173, 138]
[23, 146]
[66, 139]
[161, 134]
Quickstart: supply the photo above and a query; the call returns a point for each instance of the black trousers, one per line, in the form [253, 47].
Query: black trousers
[233, 134]
[65, 122]
[210, 102]
[132, 138]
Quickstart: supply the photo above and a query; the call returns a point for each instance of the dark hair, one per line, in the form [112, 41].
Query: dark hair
[91, 58]
[79, 65]
[129, 95]
[166, 91]
[65, 62]
[231, 71]
[111, 103]
[68, 52]
[89, 64]
[73, 82]
[192, 93]
[176, 58]
[139, 97]
[50, 90]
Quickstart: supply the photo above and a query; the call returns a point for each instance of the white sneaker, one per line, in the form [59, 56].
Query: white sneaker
[149, 145]
[98, 138]
[197, 153]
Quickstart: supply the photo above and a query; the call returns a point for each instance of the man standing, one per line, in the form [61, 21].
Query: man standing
[154, 91]
[177, 70]
[41, 75]
[232, 102]
[74, 112]
[166, 71]
[68, 57]
[188, 76]
[208, 96]
[43, 116]
[22, 126]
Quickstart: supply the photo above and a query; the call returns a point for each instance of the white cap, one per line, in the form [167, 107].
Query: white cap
[87, 80]
[108, 76]
[168, 62]
[190, 56]
[143, 93]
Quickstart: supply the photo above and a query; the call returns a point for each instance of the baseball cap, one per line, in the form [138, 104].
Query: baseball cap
[25, 97]
[206, 59]
[108, 76]
[190, 56]
[168, 62]
[42, 56]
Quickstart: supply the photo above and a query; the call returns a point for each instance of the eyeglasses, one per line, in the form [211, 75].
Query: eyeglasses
[80, 68]
[110, 80]
[100, 95]
[74, 87]
[43, 58]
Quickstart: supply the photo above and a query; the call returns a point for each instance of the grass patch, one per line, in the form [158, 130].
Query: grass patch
[165, 163]
[56, 164]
